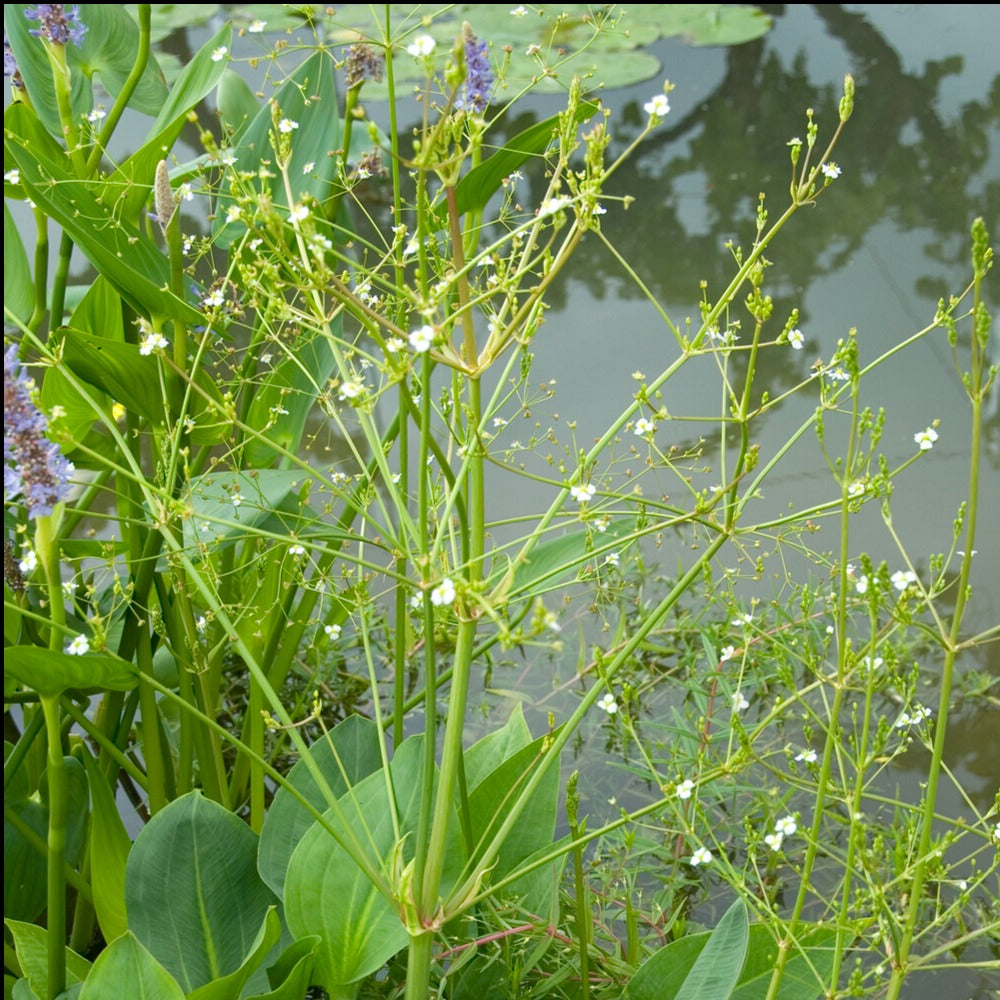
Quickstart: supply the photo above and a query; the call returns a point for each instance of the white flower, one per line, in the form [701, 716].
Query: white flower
[97, 114]
[857, 488]
[201, 624]
[703, 856]
[78, 646]
[773, 840]
[742, 619]
[12, 176]
[926, 438]
[869, 664]
[185, 193]
[422, 338]
[333, 631]
[658, 106]
[287, 126]
[69, 589]
[422, 45]
[807, 756]
[296, 550]
[786, 826]
[219, 54]
[740, 702]
[581, 494]
[153, 341]
[298, 213]
[256, 27]
[533, 49]
[831, 170]
[612, 559]
[685, 788]
[861, 584]
[552, 205]
[518, 11]
[607, 703]
[308, 168]
[29, 561]
[443, 593]
[902, 579]
[644, 427]
[351, 389]
[727, 653]
[233, 213]
[236, 499]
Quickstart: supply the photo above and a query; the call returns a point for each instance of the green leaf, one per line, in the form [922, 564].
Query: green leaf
[31, 945]
[24, 879]
[227, 987]
[18, 289]
[308, 97]
[126, 969]
[717, 969]
[710, 23]
[355, 743]
[291, 974]
[192, 892]
[109, 841]
[36, 71]
[485, 754]
[128, 258]
[50, 672]
[238, 105]
[327, 894]
[109, 51]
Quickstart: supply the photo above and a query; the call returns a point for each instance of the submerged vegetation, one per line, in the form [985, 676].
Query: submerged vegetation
[257, 576]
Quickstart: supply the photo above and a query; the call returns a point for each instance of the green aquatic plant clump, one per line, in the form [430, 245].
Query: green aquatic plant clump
[257, 575]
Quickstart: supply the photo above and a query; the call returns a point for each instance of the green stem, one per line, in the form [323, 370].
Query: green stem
[58, 805]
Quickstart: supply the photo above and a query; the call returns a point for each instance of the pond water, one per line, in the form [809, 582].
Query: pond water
[920, 159]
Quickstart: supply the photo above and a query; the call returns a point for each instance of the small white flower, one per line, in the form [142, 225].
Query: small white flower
[254, 243]
[703, 856]
[29, 561]
[69, 589]
[219, 54]
[644, 427]
[740, 702]
[298, 213]
[872, 665]
[685, 788]
[97, 114]
[857, 489]
[552, 205]
[256, 27]
[351, 389]
[308, 168]
[926, 438]
[78, 646]
[612, 559]
[658, 106]
[12, 176]
[444, 593]
[902, 579]
[333, 631]
[786, 826]
[201, 624]
[831, 170]
[581, 494]
[422, 338]
[807, 756]
[533, 49]
[742, 619]
[861, 584]
[728, 652]
[236, 499]
[519, 11]
[286, 126]
[233, 213]
[773, 840]
[607, 703]
[422, 45]
[153, 341]
[296, 550]
[185, 193]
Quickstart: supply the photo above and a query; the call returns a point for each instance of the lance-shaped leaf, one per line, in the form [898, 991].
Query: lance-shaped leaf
[128, 258]
[31, 945]
[50, 672]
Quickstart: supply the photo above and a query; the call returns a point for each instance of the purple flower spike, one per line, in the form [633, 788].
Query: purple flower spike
[57, 23]
[478, 73]
[33, 466]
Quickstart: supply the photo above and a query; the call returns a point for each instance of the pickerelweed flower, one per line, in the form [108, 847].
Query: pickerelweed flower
[56, 23]
[363, 62]
[478, 73]
[33, 466]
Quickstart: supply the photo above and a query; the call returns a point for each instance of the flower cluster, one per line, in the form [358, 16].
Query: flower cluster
[56, 24]
[478, 73]
[33, 466]
[10, 65]
[363, 63]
